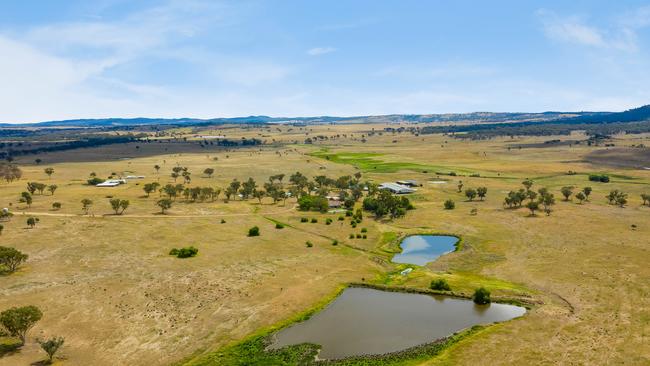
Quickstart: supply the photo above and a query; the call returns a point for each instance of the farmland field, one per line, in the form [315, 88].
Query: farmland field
[107, 283]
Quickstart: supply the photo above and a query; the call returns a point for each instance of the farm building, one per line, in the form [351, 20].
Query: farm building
[396, 188]
[111, 183]
[408, 183]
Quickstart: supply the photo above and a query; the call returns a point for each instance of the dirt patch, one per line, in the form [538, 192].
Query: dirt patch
[638, 158]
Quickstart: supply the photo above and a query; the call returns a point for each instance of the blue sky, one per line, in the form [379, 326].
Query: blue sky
[198, 58]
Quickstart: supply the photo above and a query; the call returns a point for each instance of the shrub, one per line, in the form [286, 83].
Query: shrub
[364, 236]
[314, 220]
[351, 236]
[481, 296]
[186, 252]
[449, 205]
[254, 231]
[51, 346]
[328, 221]
[354, 224]
[335, 242]
[341, 218]
[358, 236]
[95, 181]
[348, 213]
[440, 284]
[304, 219]
[223, 221]
[309, 244]
[364, 230]
[599, 178]
[56, 205]
[279, 225]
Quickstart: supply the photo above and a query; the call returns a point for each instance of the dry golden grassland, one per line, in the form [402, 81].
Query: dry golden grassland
[107, 284]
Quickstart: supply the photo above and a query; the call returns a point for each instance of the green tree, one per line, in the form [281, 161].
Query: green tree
[259, 194]
[85, 205]
[51, 346]
[52, 188]
[119, 205]
[164, 204]
[208, 172]
[567, 192]
[646, 198]
[26, 198]
[17, 321]
[32, 221]
[470, 193]
[49, 172]
[157, 168]
[247, 188]
[581, 196]
[481, 296]
[586, 191]
[528, 183]
[532, 206]
[481, 192]
[11, 258]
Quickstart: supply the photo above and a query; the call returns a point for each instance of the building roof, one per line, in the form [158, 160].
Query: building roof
[396, 188]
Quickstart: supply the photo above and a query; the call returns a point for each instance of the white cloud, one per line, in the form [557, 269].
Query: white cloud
[575, 30]
[317, 51]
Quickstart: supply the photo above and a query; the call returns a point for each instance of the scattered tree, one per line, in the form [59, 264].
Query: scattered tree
[26, 198]
[17, 321]
[581, 196]
[85, 205]
[532, 206]
[470, 193]
[481, 296]
[208, 172]
[157, 168]
[49, 172]
[164, 204]
[51, 346]
[32, 221]
[567, 192]
[11, 258]
[481, 192]
[119, 205]
[52, 188]
[586, 191]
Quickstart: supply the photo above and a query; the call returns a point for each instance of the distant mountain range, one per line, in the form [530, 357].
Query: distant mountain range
[637, 114]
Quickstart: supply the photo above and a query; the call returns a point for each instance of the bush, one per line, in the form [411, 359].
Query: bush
[449, 205]
[481, 296]
[279, 225]
[309, 244]
[56, 205]
[599, 178]
[328, 221]
[254, 231]
[335, 242]
[223, 221]
[364, 230]
[187, 252]
[348, 213]
[351, 236]
[364, 236]
[440, 284]
[174, 251]
[341, 218]
[304, 219]
[314, 220]
[358, 236]
[95, 181]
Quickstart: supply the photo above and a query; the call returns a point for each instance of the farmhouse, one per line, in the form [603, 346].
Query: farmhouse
[396, 188]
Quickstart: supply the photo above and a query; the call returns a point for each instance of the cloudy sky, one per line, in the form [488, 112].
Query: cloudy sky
[62, 59]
